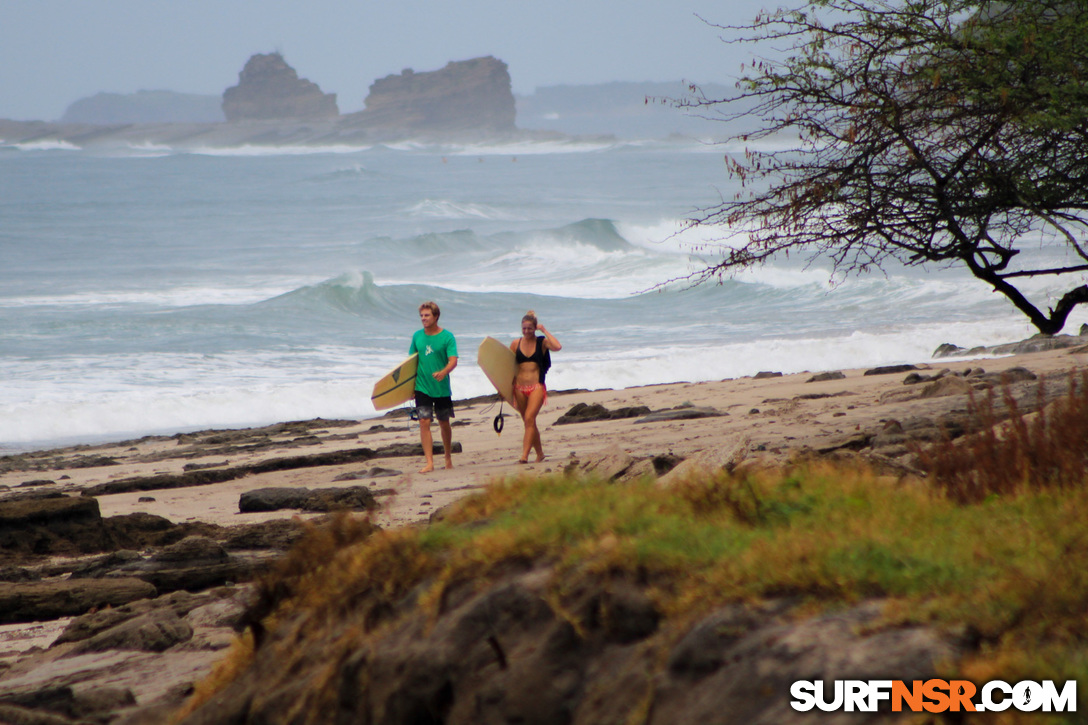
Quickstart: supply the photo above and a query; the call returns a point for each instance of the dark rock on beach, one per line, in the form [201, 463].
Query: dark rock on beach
[947, 349]
[375, 472]
[276, 535]
[54, 525]
[585, 413]
[609, 464]
[683, 412]
[132, 663]
[355, 498]
[890, 369]
[152, 632]
[915, 377]
[1036, 343]
[615, 464]
[37, 601]
[272, 499]
[63, 705]
[823, 377]
[37, 482]
[192, 564]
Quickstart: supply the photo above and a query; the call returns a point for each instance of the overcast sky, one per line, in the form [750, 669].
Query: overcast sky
[53, 52]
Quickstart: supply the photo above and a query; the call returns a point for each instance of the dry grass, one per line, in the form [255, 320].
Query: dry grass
[238, 658]
[1045, 450]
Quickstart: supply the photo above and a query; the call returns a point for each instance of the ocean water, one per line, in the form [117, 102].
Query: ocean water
[146, 290]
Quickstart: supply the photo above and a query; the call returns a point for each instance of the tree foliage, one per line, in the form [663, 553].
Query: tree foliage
[925, 131]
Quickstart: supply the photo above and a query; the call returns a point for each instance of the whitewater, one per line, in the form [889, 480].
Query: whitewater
[146, 290]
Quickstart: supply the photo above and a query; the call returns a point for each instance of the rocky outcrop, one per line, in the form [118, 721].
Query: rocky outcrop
[891, 369]
[182, 557]
[681, 412]
[268, 89]
[826, 376]
[465, 96]
[468, 100]
[508, 652]
[131, 664]
[38, 601]
[1036, 343]
[589, 412]
[355, 498]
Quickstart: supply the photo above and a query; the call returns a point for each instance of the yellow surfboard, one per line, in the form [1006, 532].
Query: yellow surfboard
[398, 386]
[498, 363]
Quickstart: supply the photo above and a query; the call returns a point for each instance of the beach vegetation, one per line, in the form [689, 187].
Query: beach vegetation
[932, 133]
[1015, 452]
[1006, 572]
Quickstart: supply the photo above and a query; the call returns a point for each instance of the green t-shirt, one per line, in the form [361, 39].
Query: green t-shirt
[435, 352]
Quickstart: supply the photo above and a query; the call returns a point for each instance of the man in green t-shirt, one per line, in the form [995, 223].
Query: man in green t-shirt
[437, 350]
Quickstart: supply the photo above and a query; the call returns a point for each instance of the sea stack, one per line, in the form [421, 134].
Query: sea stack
[465, 96]
[268, 89]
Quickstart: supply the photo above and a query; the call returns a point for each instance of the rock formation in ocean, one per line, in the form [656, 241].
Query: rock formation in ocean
[470, 95]
[468, 100]
[269, 89]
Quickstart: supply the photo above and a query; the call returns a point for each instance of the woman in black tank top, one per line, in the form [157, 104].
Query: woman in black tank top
[533, 360]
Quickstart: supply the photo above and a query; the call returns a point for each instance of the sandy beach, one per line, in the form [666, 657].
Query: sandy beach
[765, 419]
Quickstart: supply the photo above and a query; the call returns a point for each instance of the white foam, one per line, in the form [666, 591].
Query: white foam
[148, 150]
[253, 150]
[445, 209]
[156, 410]
[243, 293]
[699, 363]
[46, 145]
[117, 395]
[572, 270]
[535, 148]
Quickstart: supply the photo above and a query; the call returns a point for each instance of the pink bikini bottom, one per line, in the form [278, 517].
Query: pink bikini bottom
[527, 389]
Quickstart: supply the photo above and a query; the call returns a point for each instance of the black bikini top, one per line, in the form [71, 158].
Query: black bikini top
[540, 356]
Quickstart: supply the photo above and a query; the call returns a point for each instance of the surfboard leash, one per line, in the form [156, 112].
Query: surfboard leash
[498, 422]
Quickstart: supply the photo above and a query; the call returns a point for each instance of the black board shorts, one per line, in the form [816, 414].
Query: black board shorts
[427, 407]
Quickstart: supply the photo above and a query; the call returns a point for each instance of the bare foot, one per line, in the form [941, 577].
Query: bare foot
[523, 460]
[540, 458]
[427, 469]
[449, 464]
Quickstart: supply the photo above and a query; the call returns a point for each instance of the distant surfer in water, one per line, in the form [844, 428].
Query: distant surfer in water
[437, 350]
[531, 352]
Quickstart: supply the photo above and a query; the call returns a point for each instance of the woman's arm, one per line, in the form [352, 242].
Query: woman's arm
[549, 339]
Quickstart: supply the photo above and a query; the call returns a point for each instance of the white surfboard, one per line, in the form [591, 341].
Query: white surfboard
[498, 363]
[398, 386]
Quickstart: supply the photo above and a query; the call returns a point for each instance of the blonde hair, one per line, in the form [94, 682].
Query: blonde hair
[530, 316]
[432, 307]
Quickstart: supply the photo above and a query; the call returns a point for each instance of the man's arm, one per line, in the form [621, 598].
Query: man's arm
[441, 374]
